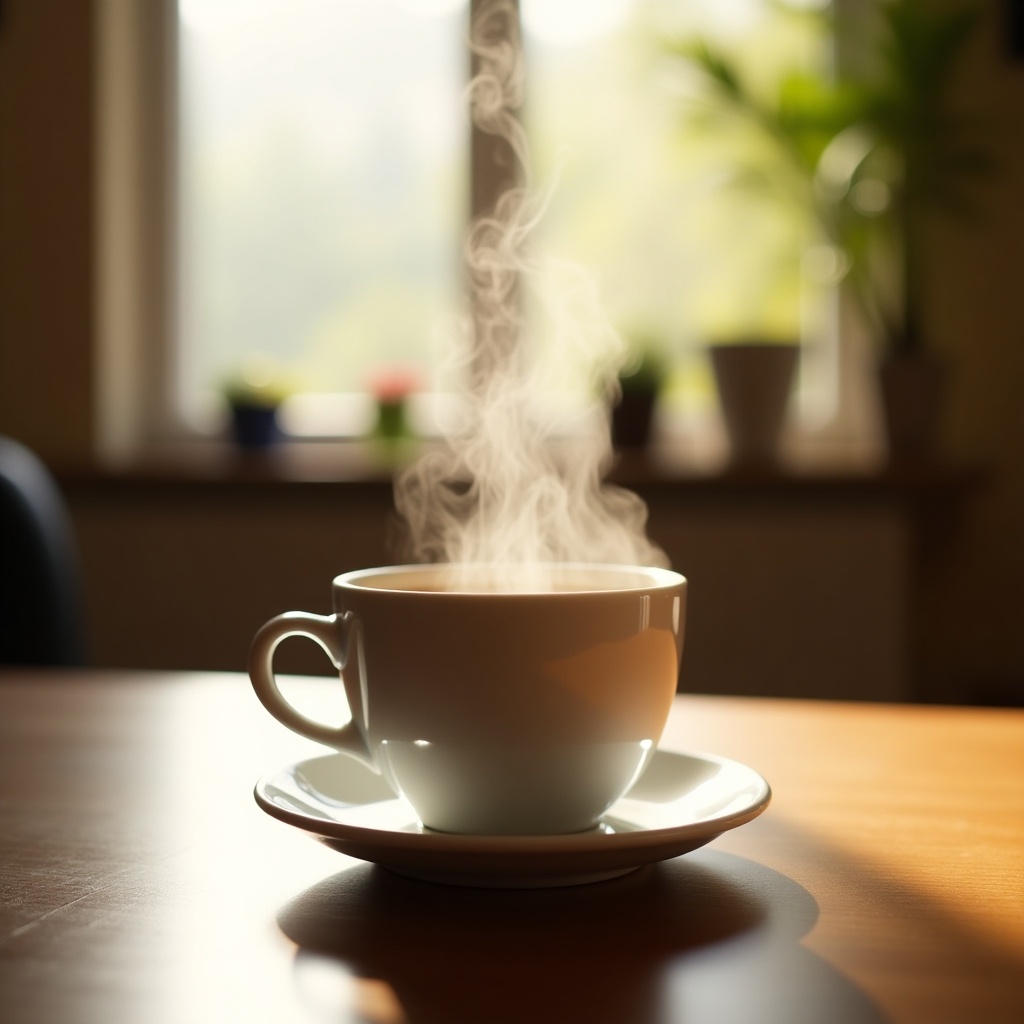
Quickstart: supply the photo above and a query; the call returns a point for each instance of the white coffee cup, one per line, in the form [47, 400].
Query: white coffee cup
[494, 711]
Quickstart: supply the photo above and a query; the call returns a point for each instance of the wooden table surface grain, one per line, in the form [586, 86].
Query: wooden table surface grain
[140, 882]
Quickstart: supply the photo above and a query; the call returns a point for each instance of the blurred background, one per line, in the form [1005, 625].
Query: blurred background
[211, 205]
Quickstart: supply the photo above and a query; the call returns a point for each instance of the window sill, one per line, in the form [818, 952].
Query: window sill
[370, 467]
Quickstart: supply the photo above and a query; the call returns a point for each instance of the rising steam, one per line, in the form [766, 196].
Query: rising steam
[503, 491]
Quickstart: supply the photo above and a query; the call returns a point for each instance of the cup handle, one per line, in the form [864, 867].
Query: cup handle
[339, 636]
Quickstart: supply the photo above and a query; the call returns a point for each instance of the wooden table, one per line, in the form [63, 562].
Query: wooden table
[139, 881]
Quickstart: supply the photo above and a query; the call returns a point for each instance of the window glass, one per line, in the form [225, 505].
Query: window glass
[323, 194]
[322, 185]
[644, 191]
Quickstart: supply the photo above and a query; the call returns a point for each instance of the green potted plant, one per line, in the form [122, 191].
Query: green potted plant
[869, 156]
[776, 140]
[254, 395]
[914, 158]
[392, 387]
[639, 385]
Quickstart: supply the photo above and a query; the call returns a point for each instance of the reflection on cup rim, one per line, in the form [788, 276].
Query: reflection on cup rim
[574, 577]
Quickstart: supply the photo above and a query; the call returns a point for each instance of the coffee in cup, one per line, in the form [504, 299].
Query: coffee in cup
[495, 709]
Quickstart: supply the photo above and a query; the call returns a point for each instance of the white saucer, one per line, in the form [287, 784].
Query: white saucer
[682, 802]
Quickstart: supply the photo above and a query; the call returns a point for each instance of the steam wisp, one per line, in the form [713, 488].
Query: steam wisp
[503, 491]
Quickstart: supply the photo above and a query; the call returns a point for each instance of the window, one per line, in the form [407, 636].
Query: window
[683, 258]
[322, 157]
[323, 190]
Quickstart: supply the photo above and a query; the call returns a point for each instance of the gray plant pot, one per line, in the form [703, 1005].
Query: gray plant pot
[755, 381]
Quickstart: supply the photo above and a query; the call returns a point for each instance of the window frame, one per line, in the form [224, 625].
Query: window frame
[136, 89]
[136, 281]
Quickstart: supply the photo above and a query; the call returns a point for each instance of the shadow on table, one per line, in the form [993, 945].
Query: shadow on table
[707, 938]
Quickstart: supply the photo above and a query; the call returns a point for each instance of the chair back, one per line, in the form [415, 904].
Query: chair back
[40, 603]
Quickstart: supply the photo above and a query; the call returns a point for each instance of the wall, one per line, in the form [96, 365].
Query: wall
[47, 380]
[789, 595]
[973, 593]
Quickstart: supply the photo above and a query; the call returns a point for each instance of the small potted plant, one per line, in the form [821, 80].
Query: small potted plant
[254, 395]
[640, 382]
[392, 389]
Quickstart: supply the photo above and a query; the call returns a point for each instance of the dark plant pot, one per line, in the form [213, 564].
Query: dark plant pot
[632, 419]
[254, 427]
[754, 383]
[912, 390]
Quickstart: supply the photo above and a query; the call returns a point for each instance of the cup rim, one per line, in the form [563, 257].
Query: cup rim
[654, 578]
